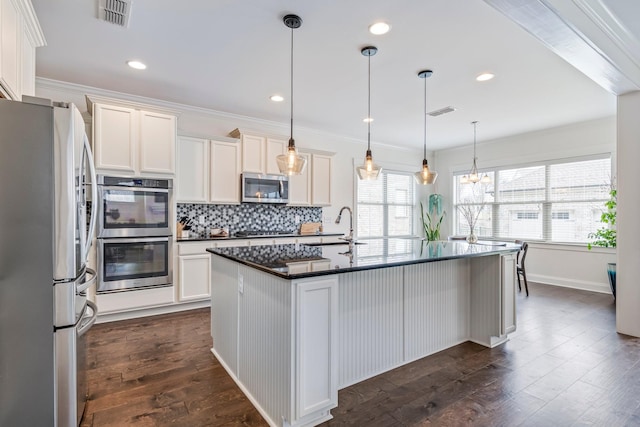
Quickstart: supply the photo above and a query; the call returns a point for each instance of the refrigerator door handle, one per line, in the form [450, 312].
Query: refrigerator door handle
[88, 283]
[94, 198]
[87, 322]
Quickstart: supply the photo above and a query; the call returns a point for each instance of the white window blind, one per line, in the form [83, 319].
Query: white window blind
[560, 201]
[386, 206]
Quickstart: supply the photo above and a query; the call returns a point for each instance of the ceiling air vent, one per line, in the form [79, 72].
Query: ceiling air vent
[115, 11]
[441, 111]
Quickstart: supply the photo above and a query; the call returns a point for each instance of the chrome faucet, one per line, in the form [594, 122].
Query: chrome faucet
[348, 238]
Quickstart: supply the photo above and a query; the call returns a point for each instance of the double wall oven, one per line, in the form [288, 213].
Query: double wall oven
[134, 233]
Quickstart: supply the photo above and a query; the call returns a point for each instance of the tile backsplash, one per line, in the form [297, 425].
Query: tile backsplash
[248, 216]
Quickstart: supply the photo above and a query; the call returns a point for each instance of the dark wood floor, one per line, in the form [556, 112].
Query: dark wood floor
[565, 365]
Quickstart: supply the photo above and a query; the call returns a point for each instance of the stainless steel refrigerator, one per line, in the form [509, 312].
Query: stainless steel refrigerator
[46, 179]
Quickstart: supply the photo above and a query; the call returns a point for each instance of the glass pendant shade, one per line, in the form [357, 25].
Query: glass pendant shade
[425, 176]
[369, 170]
[291, 163]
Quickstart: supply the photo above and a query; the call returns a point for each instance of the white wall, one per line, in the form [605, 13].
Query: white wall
[564, 265]
[200, 122]
[628, 289]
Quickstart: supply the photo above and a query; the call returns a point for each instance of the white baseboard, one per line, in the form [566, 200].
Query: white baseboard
[151, 311]
[569, 283]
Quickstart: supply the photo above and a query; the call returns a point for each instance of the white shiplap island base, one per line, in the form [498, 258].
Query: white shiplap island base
[293, 324]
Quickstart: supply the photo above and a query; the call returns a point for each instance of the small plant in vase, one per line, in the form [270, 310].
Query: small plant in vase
[606, 236]
[472, 207]
[432, 219]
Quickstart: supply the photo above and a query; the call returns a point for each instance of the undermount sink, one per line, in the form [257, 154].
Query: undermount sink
[333, 243]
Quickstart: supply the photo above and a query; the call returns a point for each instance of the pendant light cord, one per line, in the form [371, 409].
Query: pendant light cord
[474, 142]
[425, 118]
[369, 107]
[291, 137]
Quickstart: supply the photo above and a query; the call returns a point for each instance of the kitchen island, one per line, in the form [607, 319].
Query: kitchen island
[293, 324]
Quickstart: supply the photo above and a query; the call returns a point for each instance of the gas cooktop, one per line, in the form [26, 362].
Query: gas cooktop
[249, 233]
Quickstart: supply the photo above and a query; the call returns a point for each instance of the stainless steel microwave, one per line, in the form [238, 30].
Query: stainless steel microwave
[263, 188]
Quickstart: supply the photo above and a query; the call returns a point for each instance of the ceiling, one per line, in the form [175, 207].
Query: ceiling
[231, 55]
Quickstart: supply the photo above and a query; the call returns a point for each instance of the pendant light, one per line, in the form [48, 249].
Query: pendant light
[473, 175]
[291, 163]
[425, 176]
[369, 170]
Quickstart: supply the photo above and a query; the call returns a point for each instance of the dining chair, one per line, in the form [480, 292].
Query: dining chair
[520, 270]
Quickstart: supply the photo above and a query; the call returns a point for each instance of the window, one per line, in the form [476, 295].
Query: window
[386, 206]
[559, 201]
[527, 215]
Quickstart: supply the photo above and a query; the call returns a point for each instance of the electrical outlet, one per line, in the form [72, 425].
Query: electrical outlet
[240, 283]
[297, 219]
[201, 219]
[326, 220]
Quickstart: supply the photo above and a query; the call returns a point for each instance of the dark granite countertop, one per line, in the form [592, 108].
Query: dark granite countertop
[262, 236]
[365, 255]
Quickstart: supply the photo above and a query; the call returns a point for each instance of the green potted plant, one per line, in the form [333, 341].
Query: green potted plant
[606, 236]
[432, 218]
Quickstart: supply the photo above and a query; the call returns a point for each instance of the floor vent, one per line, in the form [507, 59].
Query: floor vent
[441, 111]
[115, 11]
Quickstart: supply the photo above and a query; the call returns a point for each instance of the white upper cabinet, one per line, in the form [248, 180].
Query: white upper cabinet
[20, 35]
[225, 172]
[274, 147]
[157, 142]
[208, 170]
[300, 185]
[114, 137]
[259, 151]
[133, 139]
[253, 153]
[321, 176]
[192, 181]
[313, 187]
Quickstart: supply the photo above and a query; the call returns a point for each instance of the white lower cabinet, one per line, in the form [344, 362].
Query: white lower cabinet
[195, 277]
[508, 297]
[194, 271]
[316, 346]
[279, 339]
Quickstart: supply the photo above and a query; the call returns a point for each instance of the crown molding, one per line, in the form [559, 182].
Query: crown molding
[34, 30]
[271, 127]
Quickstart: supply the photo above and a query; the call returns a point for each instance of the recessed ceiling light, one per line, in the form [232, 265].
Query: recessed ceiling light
[379, 28]
[276, 98]
[484, 77]
[137, 65]
[367, 119]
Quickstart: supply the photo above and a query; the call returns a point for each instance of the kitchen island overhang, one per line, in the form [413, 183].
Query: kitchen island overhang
[293, 324]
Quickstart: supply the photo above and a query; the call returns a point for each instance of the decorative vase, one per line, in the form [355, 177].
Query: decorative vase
[472, 238]
[611, 272]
